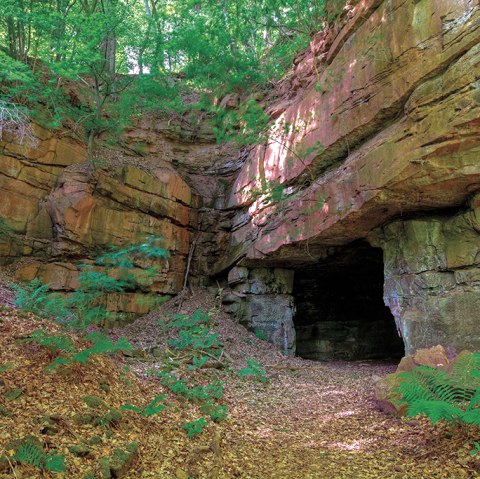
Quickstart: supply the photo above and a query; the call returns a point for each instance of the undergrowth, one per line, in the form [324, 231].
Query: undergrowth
[451, 396]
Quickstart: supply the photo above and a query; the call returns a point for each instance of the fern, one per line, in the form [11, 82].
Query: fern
[193, 332]
[153, 407]
[254, 369]
[30, 452]
[194, 428]
[452, 396]
[102, 345]
[36, 298]
[54, 342]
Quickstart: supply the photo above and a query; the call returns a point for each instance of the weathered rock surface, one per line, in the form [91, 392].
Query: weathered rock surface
[389, 127]
[64, 212]
[261, 300]
[432, 278]
[27, 175]
[398, 127]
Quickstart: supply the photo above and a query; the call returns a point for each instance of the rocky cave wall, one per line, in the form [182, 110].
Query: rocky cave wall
[432, 277]
[64, 212]
[379, 122]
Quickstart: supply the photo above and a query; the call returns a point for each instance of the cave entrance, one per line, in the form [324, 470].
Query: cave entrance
[340, 313]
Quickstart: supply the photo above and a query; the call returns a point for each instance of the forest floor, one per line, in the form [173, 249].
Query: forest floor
[309, 420]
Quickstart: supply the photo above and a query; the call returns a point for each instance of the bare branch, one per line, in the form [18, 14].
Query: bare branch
[15, 121]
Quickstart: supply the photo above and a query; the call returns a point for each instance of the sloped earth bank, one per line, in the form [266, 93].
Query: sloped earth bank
[312, 420]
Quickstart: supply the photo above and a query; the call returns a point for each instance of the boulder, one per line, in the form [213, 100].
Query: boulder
[386, 389]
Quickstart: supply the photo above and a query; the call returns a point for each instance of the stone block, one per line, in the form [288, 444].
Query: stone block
[273, 315]
[237, 275]
[269, 281]
[434, 357]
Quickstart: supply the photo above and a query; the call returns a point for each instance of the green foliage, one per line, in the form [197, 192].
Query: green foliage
[155, 406]
[451, 396]
[86, 305]
[245, 125]
[30, 452]
[185, 55]
[193, 332]
[56, 343]
[35, 297]
[100, 345]
[111, 273]
[218, 413]
[253, 369]
[193, 338]
[476, 449]
[260, 334]
[194, 428]
[6, 367]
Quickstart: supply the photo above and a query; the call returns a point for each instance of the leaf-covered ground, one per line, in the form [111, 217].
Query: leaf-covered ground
[311, 420]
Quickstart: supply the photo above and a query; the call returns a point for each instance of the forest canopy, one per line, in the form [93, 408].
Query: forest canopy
[168, 55]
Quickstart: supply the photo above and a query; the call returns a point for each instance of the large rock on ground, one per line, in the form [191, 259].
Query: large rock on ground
[386, 389]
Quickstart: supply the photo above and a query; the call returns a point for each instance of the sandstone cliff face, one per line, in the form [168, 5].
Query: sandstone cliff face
[376, 147]
[63, 212]
[380, 121]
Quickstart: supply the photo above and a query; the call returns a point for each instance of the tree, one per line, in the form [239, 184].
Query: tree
[159, 52]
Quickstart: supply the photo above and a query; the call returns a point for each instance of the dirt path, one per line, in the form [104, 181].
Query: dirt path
[321, 421]
[314, 420]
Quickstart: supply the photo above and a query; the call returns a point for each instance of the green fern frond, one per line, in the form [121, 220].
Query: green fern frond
[30, 452]
[451, 395]
[435, 410]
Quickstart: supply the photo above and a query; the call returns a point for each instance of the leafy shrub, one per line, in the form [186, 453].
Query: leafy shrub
[451, 396]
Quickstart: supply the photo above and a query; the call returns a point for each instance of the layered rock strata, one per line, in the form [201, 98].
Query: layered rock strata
[63, 212]
[384, 124]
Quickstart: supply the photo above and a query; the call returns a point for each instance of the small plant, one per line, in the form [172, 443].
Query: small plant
[6, 367]
[450, 396]
[476, 449]
[31, 452]
[100, 345]
[155, 406]
[253, 369]
[260, 334]
[218, 413]
[55, 343]
[193, 332]
[194, 428]
[35, 297]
